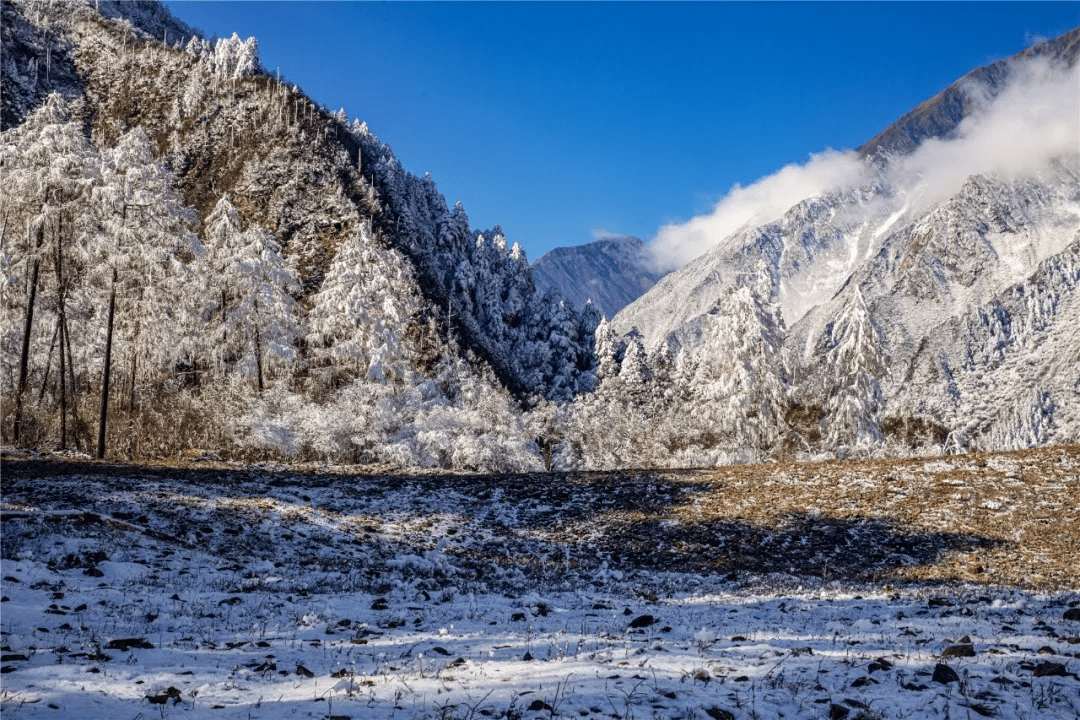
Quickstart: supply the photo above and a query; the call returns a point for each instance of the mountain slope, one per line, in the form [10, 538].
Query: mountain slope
[939, 116]
[382, 326]
[610, 273]
[962, 297]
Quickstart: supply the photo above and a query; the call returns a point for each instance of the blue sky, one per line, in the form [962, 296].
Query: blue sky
[562, 121]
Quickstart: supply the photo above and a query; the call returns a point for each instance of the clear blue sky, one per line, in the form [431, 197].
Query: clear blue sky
[559, 120]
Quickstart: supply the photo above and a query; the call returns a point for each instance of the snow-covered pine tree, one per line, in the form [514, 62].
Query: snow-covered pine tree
[854, 366]
[254, 319]
[357, 316]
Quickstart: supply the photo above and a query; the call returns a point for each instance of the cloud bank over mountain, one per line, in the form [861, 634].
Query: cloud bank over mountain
[1014, 134]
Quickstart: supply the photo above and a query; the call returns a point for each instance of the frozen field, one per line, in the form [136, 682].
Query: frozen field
[922, 588]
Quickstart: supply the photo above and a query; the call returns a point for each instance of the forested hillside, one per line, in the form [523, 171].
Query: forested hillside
[197, 258]
[259, 275]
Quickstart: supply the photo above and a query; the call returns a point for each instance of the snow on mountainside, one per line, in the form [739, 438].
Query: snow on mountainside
[809, 253]
[950, 259]
[218, 263]
[610, 273]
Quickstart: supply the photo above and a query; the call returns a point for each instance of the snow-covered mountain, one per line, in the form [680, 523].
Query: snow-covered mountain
[939, 116]
[927, 303]
[610, 273]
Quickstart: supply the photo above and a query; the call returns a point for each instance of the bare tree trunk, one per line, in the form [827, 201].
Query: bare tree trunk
[63, 389]
[61, 296]
[48, 363]
[131, 397]
[258, 350]
[24, 357]
[105, 374]
[71, 378]
[258, 359]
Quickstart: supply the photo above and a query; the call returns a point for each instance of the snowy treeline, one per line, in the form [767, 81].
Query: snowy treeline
[296, 327]
[106, 274]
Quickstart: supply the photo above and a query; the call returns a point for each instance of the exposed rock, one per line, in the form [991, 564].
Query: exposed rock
[944, 674]
[129, 643]
[962, 650]
[718, 714]
[1050, 669]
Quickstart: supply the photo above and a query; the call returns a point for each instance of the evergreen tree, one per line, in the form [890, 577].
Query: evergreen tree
[854, 365]
[254, 319]
[357, 317]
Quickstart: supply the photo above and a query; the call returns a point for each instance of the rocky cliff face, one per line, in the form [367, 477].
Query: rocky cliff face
[609, 273]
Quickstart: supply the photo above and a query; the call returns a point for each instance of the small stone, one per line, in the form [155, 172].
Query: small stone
[1049, 669]
[717, 714]
[128, 643]
[642, 621]
[162, 698]
[964, 650]
[1046, 650]
[944, 674]
[538, 705]
[838, 712]
[1072, 614]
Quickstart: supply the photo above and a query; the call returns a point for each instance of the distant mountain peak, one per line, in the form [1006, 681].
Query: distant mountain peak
[611, 273]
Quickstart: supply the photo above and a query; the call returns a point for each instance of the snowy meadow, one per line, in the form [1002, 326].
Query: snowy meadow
[919, 588]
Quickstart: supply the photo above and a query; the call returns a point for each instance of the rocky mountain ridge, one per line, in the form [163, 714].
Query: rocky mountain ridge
[609, 273]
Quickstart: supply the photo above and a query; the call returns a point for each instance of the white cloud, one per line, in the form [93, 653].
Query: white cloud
[1033, 120]
[1015, 134]
[602, 234]
[763, 201]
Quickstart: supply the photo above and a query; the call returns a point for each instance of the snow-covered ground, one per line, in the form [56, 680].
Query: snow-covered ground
[235, 592]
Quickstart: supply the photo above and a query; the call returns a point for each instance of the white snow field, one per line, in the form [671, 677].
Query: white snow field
[914, 589]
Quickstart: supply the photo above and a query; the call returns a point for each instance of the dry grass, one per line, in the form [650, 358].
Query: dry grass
[994, 519]
[1010, 518]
